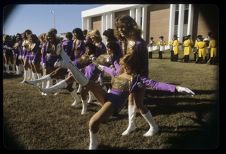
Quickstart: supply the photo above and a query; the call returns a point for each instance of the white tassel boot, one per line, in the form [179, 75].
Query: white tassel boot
[25, 76]
[43, 86]
[21, 68]
[153, 126]
[131, 116]
[29, 74]
[7, 68]
[54, 88]
[76, 98]
[49, 83]
[91, 97]
[13, 68]
[79, 88]
[17, 70]
[93, 143]
[39, 75]
[84, 106]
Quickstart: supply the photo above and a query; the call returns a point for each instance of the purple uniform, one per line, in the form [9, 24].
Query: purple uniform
[79, 49]
[100, 49]
[49, 56]
[91, 72]
[118, 97]
[141, 53]
[68, 48]
[35, 56]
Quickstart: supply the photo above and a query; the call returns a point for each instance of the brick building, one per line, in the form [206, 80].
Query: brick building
[157, 19]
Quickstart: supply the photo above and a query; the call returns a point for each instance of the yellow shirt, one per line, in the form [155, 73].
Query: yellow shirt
[187, 47]
[212, 43]
[176, 46]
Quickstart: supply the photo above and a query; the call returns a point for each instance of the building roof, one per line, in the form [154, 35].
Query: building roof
[106, 8]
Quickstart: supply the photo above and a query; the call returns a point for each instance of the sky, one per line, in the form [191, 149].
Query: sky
[40, 18]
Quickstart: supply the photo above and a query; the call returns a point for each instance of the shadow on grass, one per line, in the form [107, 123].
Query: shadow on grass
[205, 137]
[9, 141]
[108, 147]
[10, 75]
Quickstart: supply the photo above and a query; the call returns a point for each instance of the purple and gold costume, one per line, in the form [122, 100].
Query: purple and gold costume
[118, 96]
[35, 56]
[49, 56]
[141, 52]
[68, 48]
[101, 49]
[79, 49]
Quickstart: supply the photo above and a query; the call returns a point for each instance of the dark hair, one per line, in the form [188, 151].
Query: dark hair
[109, 33]
[28, 31]
[79, 33]
[69, 35]
[85, 31]
[53, 30]
[112, 46]
[92, 48]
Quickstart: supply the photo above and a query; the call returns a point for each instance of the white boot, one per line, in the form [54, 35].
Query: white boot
[17, 70]
[43, 78]
[76, 98]
[84, 107]
[29, 74]
[153, 126]
[13, 68]
[93, 143]
[49, 83]
[33, 76]
[25, 76]
[43, 86]
[39, 75]
[131, 116]
[79, 88]
[7, 68]
[21, 68]
[91, 97]
[54, 88]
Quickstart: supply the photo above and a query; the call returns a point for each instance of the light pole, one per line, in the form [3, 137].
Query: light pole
[52, 11]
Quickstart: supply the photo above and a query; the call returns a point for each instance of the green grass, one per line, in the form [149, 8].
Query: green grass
[32, 121]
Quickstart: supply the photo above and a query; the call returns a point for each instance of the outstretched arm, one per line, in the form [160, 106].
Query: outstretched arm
[148, 83]
[111, 71]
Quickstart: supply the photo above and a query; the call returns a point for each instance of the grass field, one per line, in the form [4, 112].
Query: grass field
[32, 121]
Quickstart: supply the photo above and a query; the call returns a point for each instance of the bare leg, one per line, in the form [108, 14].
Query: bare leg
[103, 114]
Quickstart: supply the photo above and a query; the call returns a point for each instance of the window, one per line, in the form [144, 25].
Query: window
[177, 7]
[176, 17]
[185, 16]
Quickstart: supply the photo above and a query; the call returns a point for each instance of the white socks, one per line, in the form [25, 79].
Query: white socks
[93, 143]
[131, 116]
[153, 126]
